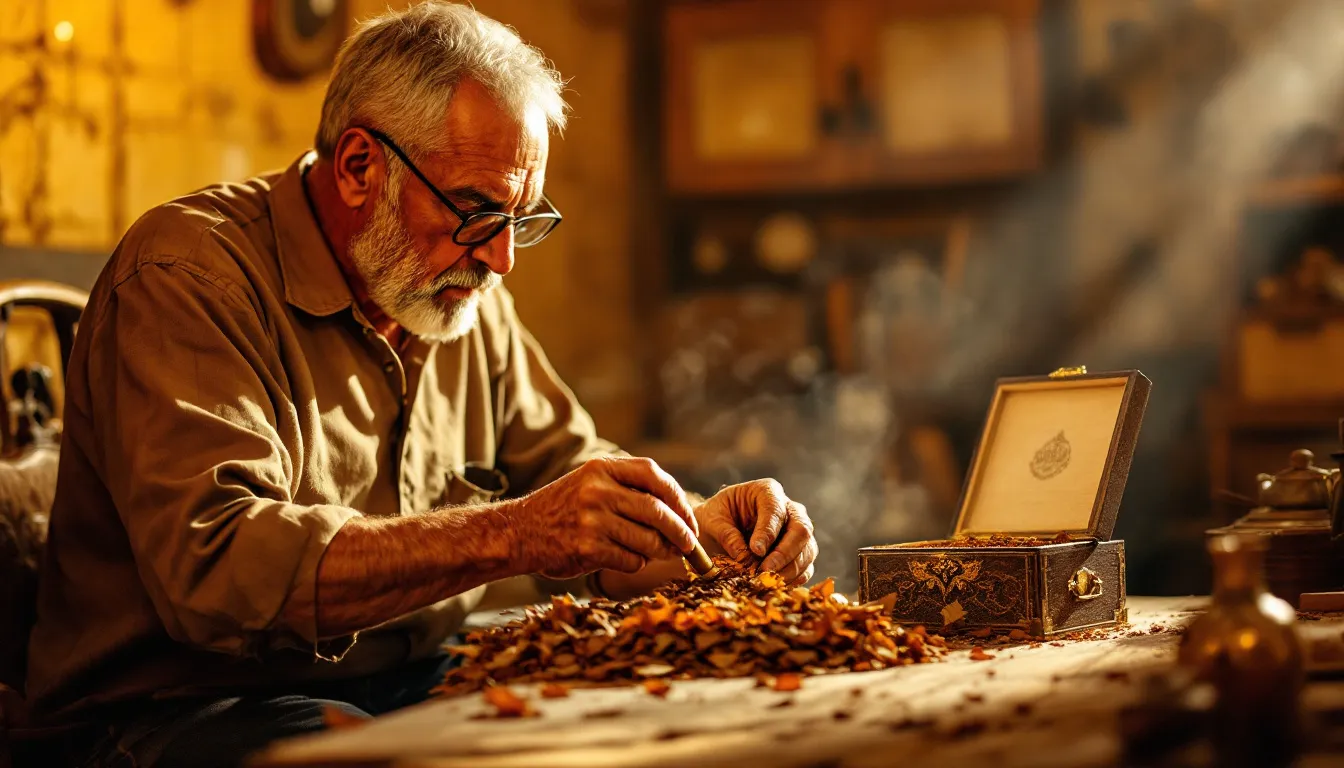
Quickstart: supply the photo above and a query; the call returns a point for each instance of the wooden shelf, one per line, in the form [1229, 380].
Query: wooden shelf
[1243, 414]
[1300, 190]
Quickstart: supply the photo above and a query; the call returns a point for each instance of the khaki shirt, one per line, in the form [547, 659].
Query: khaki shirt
[228, 409]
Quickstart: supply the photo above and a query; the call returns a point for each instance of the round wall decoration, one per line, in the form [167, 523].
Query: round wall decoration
[295, 39]
[785, 243]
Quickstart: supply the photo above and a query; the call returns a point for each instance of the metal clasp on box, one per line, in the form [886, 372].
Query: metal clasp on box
[1085, 584]
[1065, 373]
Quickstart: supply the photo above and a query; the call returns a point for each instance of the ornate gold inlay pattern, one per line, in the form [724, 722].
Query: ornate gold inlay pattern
[988, 590]
[945, 574]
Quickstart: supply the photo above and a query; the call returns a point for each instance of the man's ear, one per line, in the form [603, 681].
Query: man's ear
[360, 166]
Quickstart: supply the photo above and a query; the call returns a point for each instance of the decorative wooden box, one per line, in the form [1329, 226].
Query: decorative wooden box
[1051, 466]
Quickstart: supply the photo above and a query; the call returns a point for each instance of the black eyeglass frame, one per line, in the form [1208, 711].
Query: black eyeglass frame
[465, 218]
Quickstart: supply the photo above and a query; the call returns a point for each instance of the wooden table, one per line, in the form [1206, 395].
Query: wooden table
[1056, 700]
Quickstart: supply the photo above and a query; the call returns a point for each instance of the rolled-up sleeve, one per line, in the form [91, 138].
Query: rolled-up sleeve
[188, 393]
[546, 431]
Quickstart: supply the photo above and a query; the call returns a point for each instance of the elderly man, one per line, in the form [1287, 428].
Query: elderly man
[306, 429]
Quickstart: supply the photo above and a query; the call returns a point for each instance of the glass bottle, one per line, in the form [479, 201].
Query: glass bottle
[1247, 647]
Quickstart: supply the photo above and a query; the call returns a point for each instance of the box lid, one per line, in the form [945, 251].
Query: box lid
[1054, 455]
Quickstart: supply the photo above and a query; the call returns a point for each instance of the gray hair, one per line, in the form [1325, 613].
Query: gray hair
[398, 72]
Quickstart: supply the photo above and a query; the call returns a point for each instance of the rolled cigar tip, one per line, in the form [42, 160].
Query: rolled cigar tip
[699, 560]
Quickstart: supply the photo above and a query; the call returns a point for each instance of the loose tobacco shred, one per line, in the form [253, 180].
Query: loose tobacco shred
[507, 703]
[1003, 540]
[738, 624]
[554, 691]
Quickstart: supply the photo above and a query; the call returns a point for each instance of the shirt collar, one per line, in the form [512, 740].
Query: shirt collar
[313, 280]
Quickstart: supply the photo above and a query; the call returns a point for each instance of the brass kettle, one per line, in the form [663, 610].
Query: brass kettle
[1303, 485]
[1301, 498]
[1300, 511]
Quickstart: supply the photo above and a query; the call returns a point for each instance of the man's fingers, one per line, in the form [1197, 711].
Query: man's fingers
[801, 563]
[721, 528]
[767, 496]
[792, 544]
[649, 511]
[617, 558]
[641, 540]
[645, 475]
[805, 577]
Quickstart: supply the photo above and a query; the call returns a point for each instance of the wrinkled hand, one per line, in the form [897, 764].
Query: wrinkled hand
[610, 513]
[779, 528]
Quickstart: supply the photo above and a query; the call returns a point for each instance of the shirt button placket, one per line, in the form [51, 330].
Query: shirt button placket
[399, 440]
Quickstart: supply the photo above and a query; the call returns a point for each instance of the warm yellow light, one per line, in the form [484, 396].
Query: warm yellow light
[1248, 638]
[64, 31]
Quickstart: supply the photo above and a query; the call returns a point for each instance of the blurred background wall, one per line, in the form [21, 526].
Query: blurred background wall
[804, 237]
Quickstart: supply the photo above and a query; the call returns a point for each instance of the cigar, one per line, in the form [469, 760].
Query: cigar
[700, 562]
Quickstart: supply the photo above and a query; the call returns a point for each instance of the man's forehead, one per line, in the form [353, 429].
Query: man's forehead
[497, 178]
[521, 156]
[490, 150]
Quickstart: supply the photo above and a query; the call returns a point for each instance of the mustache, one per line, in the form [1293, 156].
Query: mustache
[474, 276]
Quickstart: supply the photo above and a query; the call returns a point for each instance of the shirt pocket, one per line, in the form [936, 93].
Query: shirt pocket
[474, 484]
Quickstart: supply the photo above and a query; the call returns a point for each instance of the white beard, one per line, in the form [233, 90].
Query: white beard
[394, 274]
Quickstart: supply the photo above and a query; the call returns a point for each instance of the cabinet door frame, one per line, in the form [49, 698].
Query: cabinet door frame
[1023, 153]
[687, 24]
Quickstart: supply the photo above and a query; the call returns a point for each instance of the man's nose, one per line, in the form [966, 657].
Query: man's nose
[497, 252]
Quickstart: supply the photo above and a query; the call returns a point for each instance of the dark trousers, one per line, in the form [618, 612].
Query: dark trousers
[222, 733]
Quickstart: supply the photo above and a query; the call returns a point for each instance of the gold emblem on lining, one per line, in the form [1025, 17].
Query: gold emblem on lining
[1052, 458]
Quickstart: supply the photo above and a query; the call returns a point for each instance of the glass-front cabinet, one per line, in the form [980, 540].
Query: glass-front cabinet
[825, 94]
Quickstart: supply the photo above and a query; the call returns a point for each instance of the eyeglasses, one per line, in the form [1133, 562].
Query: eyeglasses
[478, 228]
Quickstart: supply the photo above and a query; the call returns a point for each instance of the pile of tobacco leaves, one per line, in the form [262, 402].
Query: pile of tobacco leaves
[737, 624]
